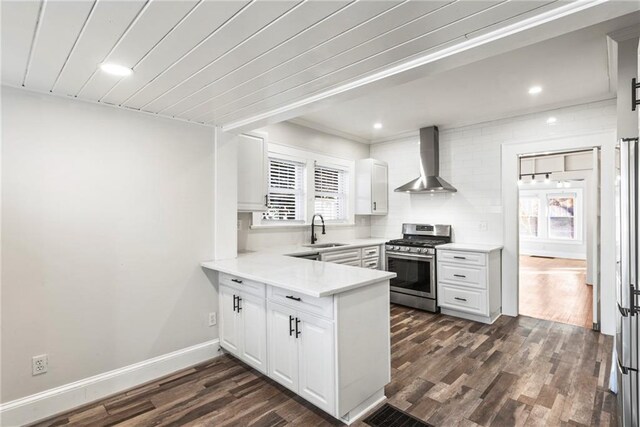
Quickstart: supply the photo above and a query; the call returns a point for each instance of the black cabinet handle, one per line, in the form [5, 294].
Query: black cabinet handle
[375, 206]
[460, 299]
[236, 280]
[234, 303]
[460, 257]
[239, 308]
[266, 200]
[293, 298]
[298, 332]
[291, 325]
[459, 275]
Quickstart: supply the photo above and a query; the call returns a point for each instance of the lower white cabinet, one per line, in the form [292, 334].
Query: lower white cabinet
[301, 354]
[243, 326]
[469, 284]
[333, 351]
[367, 257]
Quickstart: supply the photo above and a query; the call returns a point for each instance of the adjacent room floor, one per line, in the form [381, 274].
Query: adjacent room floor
[446, 371]
[556, 289]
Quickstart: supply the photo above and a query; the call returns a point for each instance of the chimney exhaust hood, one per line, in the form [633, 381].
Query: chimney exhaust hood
[428, 181]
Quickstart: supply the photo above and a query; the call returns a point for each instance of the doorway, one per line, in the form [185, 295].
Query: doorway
[558, 219]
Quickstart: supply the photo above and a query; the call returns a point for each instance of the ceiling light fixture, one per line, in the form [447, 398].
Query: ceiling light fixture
[115, 69]
[551, 121]
[546, 179]
[534, 90]
[533, 179]
[377, 125]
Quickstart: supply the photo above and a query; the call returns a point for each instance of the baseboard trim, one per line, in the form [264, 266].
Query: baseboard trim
[60, 399]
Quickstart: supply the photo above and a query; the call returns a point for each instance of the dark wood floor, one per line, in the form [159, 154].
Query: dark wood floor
[446, 371]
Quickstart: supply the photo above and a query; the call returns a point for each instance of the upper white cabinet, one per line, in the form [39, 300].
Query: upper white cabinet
[372, 187]
[252, 172]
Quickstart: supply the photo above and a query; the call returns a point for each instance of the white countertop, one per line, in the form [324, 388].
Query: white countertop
[313, 278]
[471, 247]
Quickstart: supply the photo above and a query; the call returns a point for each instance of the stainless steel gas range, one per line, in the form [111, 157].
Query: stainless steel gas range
[413, 259]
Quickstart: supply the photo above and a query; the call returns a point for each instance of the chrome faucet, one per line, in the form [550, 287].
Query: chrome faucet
[313, 233]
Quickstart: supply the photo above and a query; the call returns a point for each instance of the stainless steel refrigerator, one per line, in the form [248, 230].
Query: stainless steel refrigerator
[626, 283]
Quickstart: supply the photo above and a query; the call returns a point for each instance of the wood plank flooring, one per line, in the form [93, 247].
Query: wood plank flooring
[445, 371]
[555, 289]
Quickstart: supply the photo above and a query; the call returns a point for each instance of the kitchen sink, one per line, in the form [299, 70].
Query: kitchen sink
[325, 245]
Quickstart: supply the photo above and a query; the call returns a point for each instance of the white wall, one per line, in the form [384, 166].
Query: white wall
[106, 215]
[470, 161]
[304, 138]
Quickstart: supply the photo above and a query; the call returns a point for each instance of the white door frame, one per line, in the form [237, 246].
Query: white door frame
[606, 141]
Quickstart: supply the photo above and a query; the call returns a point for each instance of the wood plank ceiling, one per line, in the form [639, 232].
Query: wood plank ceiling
[216, 62]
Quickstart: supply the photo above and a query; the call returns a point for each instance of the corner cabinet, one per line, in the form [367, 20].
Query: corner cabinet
[372, 187]
[332, 351]
[252, 172]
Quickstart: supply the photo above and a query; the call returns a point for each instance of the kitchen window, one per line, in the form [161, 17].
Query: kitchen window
[285, 200]
[302, 183]
[330, 193]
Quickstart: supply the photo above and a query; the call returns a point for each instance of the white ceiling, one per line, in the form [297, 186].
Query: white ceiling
[230, 63]
[573, 68]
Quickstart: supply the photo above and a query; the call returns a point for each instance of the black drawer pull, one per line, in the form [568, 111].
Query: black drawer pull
[293, 298]
[460, 275]
[298, 332]
[460, 299]
[239, 308]
[291, 325]
[236, 280]
[234, 303]
[460, 257]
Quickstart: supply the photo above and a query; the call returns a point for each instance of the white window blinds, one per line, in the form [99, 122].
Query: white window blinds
[330, 190]
[286, 191]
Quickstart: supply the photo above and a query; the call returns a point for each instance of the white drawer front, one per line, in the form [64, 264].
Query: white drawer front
[469, 300]
[356, 263]
[468, 276]
[371, 251]
[250, 286]
[459, 257]
[373, 263]
[319, 306]
[337, 256]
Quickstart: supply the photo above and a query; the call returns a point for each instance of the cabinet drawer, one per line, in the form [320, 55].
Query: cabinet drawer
[250, 286]
[371, 251]
[469, 276]
[356, 263]
[459, 257]
[337, 256]
[318, 306]
[468, 300]
[373, 263]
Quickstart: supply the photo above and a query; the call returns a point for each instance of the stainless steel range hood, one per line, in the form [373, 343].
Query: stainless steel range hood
[428, 181]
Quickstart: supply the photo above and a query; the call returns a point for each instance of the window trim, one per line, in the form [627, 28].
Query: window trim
[308, 158]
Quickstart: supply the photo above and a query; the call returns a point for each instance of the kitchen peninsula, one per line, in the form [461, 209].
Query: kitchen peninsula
[318, 328]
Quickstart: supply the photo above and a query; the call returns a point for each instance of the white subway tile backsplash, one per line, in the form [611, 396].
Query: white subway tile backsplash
[470, 159]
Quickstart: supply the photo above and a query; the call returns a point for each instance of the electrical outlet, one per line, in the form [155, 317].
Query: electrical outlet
[483, 226]
[212, 318]
[239, 224]
[39, 364]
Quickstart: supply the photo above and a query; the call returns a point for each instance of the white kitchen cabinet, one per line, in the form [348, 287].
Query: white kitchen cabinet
[367, 257]
[283, 346]
[229, 329]
[252, 172]
[469, 281]
[243, 326]
[315, 361]
[372, 187]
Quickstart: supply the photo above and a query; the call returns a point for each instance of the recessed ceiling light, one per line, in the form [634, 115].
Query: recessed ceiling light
[115, 69]
[551, 120]
[377, 125]
[534, 90]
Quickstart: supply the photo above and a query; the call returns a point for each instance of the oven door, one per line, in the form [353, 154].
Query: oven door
[415, 274]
